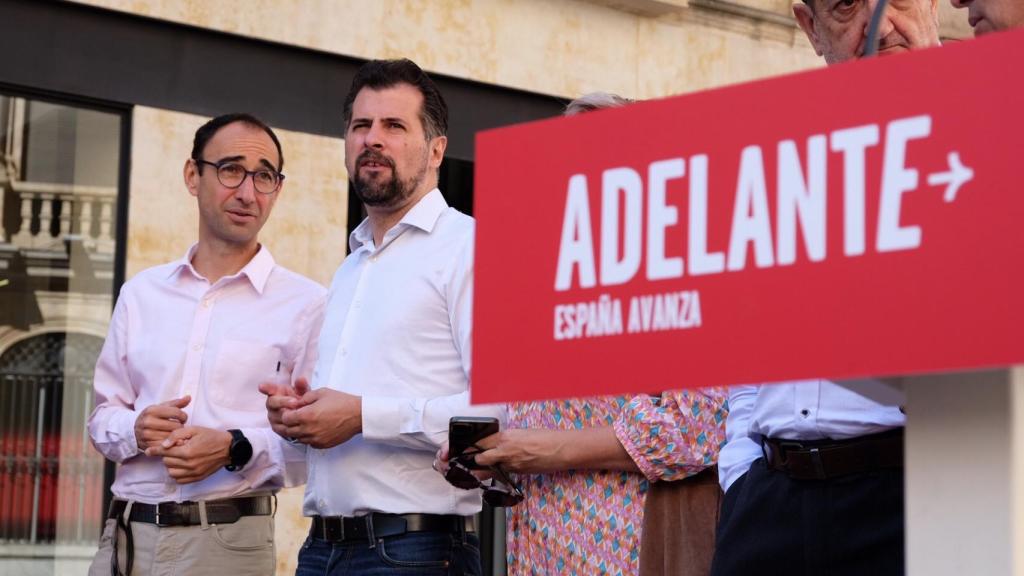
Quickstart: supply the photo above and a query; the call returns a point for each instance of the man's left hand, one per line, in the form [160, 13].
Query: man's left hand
[193, 452]
[325, 418]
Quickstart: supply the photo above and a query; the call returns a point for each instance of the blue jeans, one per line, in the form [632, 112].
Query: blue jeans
[414, 553]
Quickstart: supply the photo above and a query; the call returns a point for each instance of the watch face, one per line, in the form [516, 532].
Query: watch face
[240, 451]
[244, 452]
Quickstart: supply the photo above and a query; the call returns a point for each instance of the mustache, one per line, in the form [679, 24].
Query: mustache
[370, 155]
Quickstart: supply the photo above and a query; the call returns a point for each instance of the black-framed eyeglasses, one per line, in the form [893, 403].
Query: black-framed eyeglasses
[498, 494]
[232, 174]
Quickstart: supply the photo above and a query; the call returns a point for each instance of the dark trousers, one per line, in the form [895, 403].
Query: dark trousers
[414, 553]
[848, 526]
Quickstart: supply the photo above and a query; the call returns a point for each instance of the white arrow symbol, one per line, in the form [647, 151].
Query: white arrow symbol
[957, 176]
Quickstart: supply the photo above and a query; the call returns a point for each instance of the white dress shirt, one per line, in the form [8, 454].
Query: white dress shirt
[802, 410]
[173, 334]
[397, 333]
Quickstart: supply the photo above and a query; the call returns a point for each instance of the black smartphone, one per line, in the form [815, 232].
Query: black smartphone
[464, 431]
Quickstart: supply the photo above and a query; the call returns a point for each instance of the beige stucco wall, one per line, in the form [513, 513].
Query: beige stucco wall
[560, 47]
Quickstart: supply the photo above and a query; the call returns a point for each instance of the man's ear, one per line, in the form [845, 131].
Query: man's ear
[437, 147]
[805, 18]
[191, 174]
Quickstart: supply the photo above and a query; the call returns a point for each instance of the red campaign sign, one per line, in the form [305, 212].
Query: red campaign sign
[846, 222]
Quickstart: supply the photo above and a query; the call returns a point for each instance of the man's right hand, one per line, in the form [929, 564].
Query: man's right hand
[156, 422]
[280, 399]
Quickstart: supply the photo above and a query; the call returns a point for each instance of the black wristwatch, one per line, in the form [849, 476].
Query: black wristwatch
[240, 451]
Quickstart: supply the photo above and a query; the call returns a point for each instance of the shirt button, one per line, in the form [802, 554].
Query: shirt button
[344, 351]
[206, 303]
[197, 347]
[805, 412]
[321, 504]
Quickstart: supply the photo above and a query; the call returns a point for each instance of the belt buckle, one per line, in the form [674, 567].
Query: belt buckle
[813, 452]
[819, 466]
[159, 516]
[325, 532]
[785, 446]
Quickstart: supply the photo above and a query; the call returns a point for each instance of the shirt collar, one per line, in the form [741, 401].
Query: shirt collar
[423, 215]
[257, 271]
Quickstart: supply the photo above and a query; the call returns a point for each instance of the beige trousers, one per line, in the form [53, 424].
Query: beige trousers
[244, 547]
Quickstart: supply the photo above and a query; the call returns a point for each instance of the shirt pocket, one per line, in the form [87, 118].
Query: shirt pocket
[238, 371]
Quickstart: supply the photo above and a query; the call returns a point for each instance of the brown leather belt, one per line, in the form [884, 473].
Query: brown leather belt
[372, 526]
[226, 511]
[822, 459]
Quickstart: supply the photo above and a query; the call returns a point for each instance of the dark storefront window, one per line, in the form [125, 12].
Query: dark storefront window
[60, 176]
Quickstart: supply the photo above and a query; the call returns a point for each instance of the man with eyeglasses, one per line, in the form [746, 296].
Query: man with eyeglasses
[992, 15]
[394, 360]
[813, 472]
[177, 400]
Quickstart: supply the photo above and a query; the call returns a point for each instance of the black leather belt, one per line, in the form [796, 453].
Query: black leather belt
[187, 513]
[822, 459]
[373, 526]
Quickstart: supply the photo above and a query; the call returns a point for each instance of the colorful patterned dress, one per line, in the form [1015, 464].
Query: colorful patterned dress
[588, 522]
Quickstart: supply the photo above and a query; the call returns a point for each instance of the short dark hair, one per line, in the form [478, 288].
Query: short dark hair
[207, 131]
[380, 74]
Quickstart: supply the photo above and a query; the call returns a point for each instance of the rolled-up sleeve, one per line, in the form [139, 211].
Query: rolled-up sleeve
[674, 435]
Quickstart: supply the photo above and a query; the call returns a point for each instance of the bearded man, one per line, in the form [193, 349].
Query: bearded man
[394, 357]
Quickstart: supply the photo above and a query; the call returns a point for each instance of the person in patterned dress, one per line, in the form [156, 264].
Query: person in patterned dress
[585, 464]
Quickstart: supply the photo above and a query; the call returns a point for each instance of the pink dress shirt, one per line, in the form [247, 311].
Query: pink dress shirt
[172, 334]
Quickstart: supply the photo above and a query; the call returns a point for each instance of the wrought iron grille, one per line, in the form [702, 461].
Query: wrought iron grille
[51, 480]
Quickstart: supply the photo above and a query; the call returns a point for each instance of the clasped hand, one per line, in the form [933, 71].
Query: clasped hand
[321, 418]
[190, 453]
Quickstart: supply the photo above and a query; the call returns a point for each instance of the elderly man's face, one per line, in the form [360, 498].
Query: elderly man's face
[992, 15]
[838, 28]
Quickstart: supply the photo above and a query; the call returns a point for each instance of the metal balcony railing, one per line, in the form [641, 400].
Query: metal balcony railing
[47, 213]
[51, 481]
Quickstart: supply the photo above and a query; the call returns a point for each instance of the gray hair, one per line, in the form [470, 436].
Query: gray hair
[595, 101]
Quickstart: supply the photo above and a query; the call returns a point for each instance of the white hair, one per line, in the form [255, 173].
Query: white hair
[595, 101]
